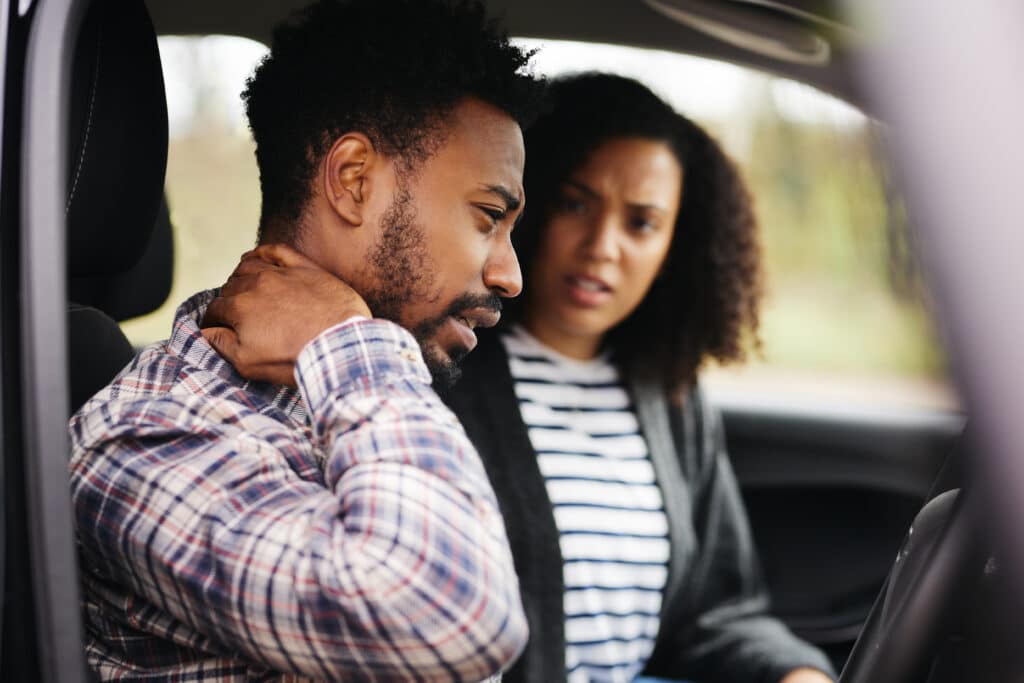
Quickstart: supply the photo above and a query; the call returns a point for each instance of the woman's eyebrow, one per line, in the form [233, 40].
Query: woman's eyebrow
[647, 207]
[585, 189]
[582, 187]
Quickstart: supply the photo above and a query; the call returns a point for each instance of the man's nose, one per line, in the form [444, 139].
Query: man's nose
[502, 274]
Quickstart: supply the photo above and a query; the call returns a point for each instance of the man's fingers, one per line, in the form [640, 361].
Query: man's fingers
[274, 302]
[252, 264]
[243, 278]
[224, 340]
[279, 373]
[280, 255]
[220, 313]
[238, 283]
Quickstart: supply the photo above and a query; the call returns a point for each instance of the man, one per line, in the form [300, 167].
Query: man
[276, 492]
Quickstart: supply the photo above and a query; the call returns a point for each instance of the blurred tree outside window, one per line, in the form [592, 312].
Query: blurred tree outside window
[846, 314]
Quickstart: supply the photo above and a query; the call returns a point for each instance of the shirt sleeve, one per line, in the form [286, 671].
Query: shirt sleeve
[729, 634]
[394, 567]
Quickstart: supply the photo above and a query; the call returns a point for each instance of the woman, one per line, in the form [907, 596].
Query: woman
[640, 260]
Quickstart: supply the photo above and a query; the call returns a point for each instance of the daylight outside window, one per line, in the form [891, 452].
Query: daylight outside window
[846, 316]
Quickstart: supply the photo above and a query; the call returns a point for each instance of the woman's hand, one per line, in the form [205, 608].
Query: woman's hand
[806, 676]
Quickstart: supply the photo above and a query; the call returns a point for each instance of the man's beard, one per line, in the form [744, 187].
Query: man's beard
[444, 367]
[403, 273]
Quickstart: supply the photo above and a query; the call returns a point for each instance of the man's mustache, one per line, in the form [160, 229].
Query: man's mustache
[460, 304]
[467, 301]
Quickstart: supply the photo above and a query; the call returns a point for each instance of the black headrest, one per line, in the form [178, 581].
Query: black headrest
[141, 289]
[117, 152]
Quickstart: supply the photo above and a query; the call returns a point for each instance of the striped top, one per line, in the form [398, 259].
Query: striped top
[613, 531]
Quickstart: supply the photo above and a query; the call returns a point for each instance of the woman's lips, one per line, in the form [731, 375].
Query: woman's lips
[587, 291]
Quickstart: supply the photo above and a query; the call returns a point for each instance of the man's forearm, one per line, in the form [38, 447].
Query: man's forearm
[415, 498]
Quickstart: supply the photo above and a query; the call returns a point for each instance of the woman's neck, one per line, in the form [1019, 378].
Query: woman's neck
[576, 346]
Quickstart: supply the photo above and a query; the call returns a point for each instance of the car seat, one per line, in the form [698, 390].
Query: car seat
[119, 246]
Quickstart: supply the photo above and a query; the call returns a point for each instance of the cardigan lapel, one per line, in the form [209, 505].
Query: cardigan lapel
[486, 402]
[652, 411]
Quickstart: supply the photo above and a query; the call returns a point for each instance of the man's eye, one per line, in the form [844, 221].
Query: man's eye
[496, 215]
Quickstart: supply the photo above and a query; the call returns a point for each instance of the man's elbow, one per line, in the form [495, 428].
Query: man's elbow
[457, 618]
[511, 640]
[486, 628]
[495, 643]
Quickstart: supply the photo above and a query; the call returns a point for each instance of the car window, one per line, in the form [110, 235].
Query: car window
[212, 183]
[846, 314]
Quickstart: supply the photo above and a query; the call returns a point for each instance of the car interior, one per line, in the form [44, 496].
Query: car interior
[831, 494]
[118, 227]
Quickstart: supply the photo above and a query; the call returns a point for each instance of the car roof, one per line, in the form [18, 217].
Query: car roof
[797, 39]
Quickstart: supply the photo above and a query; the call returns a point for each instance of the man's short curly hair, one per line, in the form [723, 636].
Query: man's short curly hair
[709, 292]
[391, 69]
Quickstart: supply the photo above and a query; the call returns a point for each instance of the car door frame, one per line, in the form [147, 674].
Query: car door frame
[43, 335]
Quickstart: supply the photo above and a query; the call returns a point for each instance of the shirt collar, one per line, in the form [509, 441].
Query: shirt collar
[188, 343]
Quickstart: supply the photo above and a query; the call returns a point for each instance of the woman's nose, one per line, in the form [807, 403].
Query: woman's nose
[603, 240]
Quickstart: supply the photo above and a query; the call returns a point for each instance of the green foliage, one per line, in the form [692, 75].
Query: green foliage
[844, 293]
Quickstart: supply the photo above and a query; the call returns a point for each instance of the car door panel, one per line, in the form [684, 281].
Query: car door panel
[830, 494]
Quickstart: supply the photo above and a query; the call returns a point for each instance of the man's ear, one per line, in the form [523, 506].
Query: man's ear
[346, 175]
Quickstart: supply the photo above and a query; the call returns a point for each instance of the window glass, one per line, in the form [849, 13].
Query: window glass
[212, 183]
[845, 316]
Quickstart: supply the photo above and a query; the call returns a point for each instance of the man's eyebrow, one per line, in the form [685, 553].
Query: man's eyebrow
[512, 202]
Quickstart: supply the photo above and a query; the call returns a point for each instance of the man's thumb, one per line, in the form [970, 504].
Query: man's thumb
[223, 340]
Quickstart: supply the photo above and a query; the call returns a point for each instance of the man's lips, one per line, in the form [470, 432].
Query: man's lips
[478, 317]
[468, 320]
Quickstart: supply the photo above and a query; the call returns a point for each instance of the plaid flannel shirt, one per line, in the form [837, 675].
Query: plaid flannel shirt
[232, 530]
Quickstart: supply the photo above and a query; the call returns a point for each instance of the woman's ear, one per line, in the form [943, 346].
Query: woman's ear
[346, 176]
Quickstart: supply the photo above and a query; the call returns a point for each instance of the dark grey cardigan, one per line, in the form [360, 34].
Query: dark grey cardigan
[714, 624]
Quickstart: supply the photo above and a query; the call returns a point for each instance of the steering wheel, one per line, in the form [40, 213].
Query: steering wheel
[900, 635]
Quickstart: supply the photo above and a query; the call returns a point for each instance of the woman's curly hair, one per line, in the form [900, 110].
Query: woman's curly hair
[391, 69]
[708, 294]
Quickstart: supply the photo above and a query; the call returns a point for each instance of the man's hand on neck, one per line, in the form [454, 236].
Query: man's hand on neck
[272, 305]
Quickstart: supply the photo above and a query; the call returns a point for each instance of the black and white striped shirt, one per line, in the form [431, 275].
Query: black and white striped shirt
[608, 508]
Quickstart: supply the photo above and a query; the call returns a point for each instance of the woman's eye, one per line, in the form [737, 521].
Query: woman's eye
[643, 225]
[572, 205]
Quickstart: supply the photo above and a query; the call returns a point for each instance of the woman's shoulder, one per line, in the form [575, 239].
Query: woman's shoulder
[648, 385]
[693, 420]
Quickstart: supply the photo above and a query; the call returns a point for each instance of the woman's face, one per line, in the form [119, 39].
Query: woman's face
[605, 241]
